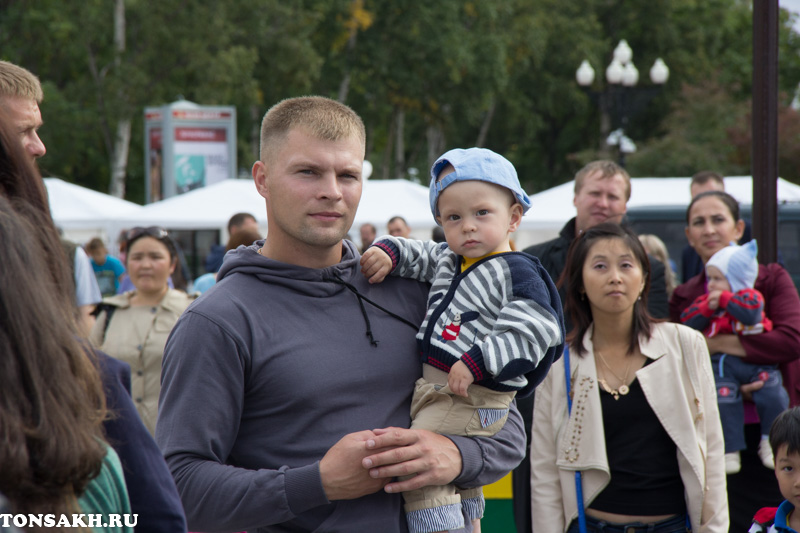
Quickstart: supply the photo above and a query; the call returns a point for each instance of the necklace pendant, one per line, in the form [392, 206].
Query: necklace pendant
[613, 392]
[623, 389]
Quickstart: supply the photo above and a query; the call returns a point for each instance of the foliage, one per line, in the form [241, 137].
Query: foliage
[425, 76]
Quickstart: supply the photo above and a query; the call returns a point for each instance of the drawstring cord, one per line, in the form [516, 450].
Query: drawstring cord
[361, 299]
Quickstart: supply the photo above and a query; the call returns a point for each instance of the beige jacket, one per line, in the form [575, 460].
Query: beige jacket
[137, 335]
[683, 397]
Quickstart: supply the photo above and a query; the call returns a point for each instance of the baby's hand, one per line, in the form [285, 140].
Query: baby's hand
[375, 264]
[460, 378]
[713, 299]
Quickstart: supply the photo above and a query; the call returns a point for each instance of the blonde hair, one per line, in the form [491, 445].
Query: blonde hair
[607, 169]
[658, 249]
[16, 81]
[322, 117]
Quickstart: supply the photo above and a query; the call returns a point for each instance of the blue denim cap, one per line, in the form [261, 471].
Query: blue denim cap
[477, 164]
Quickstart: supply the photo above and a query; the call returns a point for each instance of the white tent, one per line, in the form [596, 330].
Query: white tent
[83, 213]
[551, 209]
[210, 207]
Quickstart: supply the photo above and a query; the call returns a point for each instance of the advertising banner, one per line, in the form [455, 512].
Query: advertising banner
[200, 157]
[188, 146]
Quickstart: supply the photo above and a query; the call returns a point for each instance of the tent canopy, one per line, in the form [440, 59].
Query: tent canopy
[210, 207]
[73, 206]
[77, 209]
[553, 208]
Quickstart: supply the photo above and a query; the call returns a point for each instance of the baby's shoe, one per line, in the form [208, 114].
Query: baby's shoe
[733, 462]
[765, 453]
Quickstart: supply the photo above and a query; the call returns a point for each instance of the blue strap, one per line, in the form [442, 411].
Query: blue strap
[578, 480]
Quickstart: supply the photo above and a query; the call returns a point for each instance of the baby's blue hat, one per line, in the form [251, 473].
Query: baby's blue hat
[476, 164]
[738, 263]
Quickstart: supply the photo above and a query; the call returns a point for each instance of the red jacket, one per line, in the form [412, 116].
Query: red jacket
[741, 313]
[780, 346]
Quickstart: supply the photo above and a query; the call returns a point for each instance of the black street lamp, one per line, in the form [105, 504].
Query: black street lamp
[621, 98]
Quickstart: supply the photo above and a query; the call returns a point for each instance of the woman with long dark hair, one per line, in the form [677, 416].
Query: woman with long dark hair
[632, 410]
[53, 459]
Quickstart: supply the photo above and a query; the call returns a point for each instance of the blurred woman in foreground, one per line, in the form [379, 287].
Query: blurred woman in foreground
[53, 458]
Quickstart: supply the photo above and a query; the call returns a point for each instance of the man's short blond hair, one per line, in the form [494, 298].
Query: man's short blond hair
[16, 81]
[322, 117]
[704, 176]
[607, 169]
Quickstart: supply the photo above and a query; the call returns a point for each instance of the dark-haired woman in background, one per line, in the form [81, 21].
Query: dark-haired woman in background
[712, 222]
[133, 327]
[643, 428]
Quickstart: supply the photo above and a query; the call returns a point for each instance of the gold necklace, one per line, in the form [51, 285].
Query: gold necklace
[622, 389]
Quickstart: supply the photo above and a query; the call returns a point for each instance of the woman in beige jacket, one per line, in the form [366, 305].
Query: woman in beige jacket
[133, 327]
[643, 429]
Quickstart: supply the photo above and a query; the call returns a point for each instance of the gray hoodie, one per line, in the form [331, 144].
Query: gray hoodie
[269, 369]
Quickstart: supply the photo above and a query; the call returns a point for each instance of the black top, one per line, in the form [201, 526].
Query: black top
[645, 479]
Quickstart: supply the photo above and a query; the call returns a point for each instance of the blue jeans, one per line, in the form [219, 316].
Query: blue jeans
[678, 524]
[730, 372]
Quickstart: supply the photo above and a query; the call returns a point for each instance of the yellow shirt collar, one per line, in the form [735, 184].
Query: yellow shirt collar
[467, 262]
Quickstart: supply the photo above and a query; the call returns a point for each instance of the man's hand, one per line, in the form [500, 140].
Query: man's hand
[713, 299]
[375, 264]
[343, 476]
[460, 378]
[434, 458]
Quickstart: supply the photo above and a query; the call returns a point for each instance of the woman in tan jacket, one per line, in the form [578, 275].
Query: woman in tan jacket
[643, 428]
[133, 326]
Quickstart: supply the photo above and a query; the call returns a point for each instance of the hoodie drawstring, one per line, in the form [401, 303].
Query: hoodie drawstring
[361, 299]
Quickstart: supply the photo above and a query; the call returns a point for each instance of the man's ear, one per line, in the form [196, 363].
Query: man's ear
[260, 177]
[516, 217]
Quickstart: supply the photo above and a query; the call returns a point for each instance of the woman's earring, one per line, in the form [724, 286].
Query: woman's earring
[583, 296]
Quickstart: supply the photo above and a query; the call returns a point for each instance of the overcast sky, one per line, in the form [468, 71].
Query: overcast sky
[792, 5]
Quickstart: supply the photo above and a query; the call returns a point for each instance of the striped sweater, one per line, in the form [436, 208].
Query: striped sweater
[502, 316]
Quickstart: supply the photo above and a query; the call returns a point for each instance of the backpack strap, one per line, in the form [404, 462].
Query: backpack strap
[109, 311]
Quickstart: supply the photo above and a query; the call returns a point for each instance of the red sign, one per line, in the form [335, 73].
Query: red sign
[155, 139]
[200, 134]
[199, 114]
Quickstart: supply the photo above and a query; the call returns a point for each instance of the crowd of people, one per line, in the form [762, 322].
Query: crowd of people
[314, 386]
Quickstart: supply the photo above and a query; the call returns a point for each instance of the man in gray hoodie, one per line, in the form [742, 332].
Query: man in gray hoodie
[286, 388]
